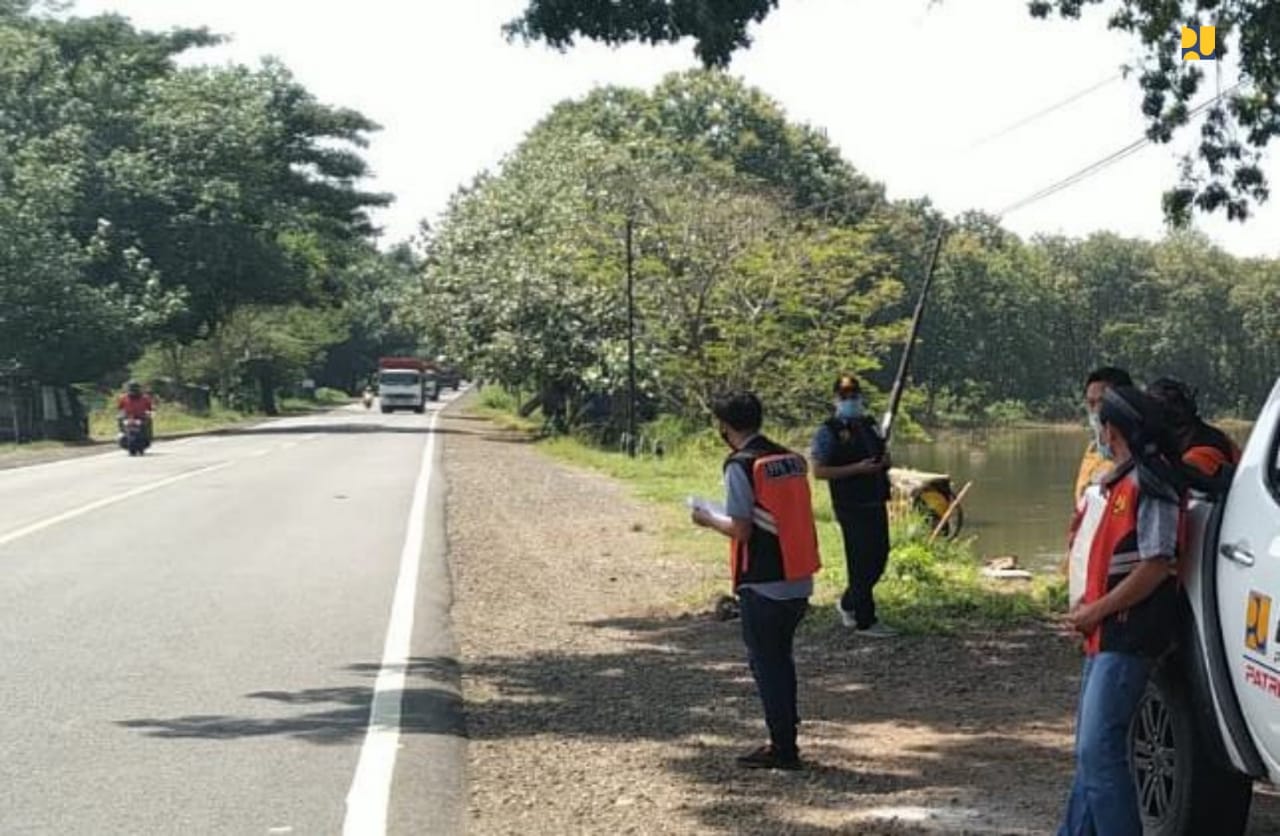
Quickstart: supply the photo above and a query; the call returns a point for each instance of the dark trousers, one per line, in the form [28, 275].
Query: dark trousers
[768, 630]
[866, 553]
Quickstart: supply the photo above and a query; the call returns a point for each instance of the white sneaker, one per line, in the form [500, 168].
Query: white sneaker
[846, 617]
[879, 630]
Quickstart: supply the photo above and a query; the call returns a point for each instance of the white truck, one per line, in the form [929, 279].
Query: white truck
[1209, 724]
[406, 383]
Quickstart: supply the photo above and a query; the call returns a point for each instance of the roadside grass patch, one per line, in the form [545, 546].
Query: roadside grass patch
[170, 419]
[928, 588]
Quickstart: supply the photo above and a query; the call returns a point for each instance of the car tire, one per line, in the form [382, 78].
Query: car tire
[386, 410]
[1180, 791]
[419, 409]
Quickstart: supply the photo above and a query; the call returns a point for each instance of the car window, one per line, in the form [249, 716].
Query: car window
[1273, 475]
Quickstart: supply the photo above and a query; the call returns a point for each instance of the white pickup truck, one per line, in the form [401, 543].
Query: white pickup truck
[1209, 725]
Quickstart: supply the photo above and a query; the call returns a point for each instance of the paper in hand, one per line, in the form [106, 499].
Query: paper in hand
[715, 509]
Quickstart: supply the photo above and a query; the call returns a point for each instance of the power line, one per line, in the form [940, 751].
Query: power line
[1027, 120]
[826, 206]
[1106, 162]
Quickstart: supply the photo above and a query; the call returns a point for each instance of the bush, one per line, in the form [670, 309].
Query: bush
[332, 396]
[498, 399]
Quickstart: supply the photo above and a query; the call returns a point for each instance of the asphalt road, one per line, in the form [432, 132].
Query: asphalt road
[190, 642]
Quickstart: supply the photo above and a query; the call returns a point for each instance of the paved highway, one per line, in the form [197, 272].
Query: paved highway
[244, 633]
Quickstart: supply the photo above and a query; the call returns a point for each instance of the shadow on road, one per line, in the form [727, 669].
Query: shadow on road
[947, 723]
[328, 715]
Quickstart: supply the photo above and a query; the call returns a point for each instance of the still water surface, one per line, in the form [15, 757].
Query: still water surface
[1021, 499]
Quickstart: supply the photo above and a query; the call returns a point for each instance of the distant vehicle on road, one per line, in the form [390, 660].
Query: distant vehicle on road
[450, 376]
[133, 436]
[406, 383]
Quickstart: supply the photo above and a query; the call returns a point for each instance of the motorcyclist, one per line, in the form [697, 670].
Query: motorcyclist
[135, 403]
[367, 397]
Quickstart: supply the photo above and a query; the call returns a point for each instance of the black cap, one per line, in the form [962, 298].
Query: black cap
[846, 384]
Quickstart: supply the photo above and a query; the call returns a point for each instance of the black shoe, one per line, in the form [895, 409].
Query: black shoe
[766, 758]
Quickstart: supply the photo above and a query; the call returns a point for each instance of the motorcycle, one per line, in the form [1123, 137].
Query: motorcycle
[133, 436]
[368, 400]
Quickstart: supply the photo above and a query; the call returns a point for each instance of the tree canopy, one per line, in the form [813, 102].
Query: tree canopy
[746, 277]
[1224, 174]
[143, 202]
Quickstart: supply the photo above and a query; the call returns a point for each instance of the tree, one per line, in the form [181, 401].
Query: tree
[145, 202]
[1225, 172]
[719, 27]
[734, 286]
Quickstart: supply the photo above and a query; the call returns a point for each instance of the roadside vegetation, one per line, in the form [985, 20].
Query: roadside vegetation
[929, 587]
[196, 226]
[762, 258]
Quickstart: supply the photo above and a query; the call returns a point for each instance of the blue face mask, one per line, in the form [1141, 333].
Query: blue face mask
[1104, 449]
[850, 408]
[1095, 428]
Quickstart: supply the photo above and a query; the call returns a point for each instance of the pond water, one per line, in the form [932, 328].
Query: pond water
[1021, 500]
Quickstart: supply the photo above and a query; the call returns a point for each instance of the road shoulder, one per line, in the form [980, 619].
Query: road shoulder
[597, 702]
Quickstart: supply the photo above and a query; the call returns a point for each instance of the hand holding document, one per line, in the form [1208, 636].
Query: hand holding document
[714, 510]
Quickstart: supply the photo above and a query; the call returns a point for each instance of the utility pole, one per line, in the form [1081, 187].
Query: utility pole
[631, 343]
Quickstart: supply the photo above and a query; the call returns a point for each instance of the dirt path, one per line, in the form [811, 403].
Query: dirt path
[594, 705]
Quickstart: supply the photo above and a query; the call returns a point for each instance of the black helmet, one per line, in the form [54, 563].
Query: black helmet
[1177, 399]
[1140, 420]
[133, 387]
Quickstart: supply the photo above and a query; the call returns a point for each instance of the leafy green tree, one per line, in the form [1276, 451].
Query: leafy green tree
[1225, 173]
[719, 27]
[149, 202]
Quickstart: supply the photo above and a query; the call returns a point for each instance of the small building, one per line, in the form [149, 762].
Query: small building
[32, 411]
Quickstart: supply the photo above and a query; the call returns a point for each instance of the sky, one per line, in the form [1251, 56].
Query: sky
[907, 89]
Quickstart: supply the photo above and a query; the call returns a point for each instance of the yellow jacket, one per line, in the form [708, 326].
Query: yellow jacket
[1092, 466]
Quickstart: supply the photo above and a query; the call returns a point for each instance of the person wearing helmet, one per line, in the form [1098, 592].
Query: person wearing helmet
[1127, 611]
[135, 403]
[1202, 446]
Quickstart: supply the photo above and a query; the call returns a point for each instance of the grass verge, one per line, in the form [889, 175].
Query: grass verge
[928, 587]
[170, 420]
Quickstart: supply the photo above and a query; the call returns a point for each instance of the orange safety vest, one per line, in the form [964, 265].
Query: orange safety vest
[784, 539]
[1209, 459]
[1115, 545]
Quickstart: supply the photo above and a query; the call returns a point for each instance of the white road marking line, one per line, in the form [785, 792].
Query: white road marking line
[49, 522]
[370, 792]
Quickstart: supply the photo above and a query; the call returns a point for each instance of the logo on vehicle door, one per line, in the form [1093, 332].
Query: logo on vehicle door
[1257, 622]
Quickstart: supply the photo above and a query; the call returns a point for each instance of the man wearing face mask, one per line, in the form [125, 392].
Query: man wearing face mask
[1126, 611]
[1093, 465]
[773, 557]
[849, 453]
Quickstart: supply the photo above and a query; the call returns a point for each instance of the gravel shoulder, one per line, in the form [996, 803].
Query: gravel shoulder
[598, 701]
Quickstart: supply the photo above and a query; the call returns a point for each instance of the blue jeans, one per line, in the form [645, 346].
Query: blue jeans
[1104, 798]
[768, 630]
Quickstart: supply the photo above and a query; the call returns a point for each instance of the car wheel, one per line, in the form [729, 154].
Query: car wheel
[419, 409]
[386, 410]
[1180, 791]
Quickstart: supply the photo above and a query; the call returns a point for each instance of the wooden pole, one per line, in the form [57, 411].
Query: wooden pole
[955, 503]
[631, 345]
[917, 318]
